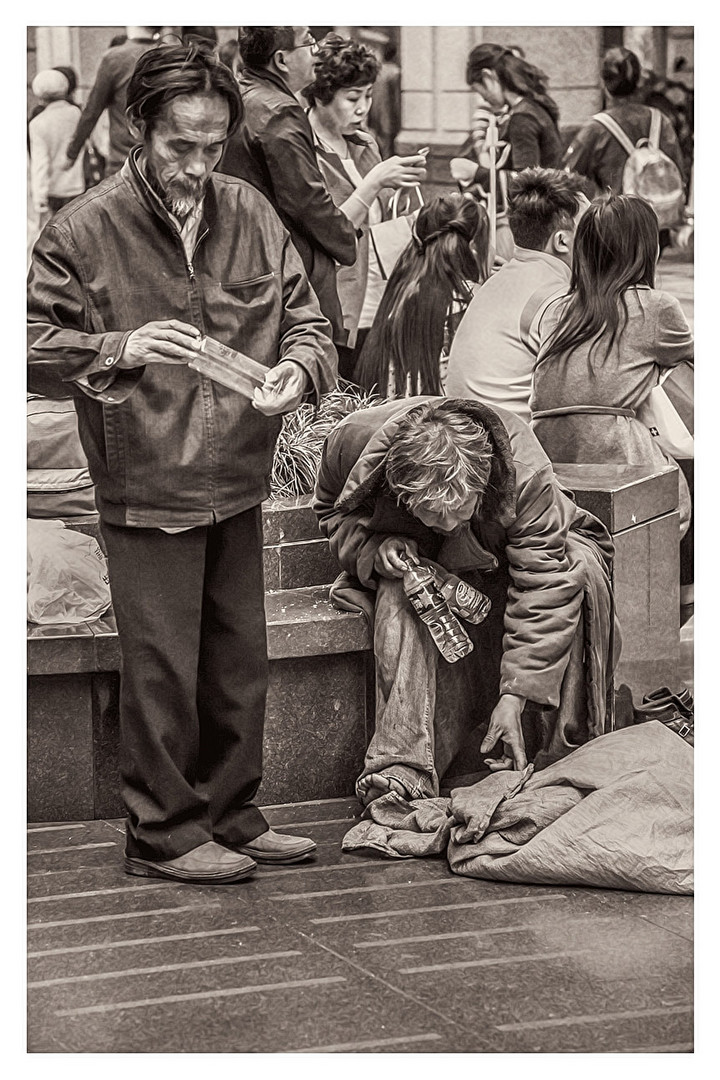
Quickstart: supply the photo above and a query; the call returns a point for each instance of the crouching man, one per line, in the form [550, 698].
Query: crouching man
[470, 488]
[123, 284]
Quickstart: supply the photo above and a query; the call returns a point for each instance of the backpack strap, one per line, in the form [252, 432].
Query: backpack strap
[655, 126]
[614, 128]
[534, 309]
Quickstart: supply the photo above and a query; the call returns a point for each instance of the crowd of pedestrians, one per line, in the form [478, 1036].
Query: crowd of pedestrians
[519, 326]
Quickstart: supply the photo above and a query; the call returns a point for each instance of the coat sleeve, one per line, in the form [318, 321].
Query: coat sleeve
[299, 190]
[64, 356]
[524, 136]
[670, 145]
[353, 543]
[673, 340]
[305, 333]
[580, 155]
[545, 594]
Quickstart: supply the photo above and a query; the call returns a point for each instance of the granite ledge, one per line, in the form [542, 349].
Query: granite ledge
[300, 622]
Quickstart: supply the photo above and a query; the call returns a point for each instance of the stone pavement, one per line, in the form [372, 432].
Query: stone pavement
[350, 953]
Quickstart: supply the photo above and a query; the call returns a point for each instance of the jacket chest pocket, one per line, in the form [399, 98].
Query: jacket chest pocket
[250, 284]
[236, 309]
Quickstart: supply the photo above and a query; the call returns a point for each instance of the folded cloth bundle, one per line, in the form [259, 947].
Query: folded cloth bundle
[616, 813]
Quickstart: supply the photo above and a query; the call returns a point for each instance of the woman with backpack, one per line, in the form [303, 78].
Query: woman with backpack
[605, 345]
[426, 295]
[601, 152]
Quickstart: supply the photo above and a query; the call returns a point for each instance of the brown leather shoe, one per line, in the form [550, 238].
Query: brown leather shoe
[208, 864]
[274, 847]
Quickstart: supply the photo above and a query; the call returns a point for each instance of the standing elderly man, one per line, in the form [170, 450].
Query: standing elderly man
[469, 487]
[274, 149]
[124, 284]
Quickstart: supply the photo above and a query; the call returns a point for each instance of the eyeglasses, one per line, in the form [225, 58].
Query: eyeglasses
[311, 45]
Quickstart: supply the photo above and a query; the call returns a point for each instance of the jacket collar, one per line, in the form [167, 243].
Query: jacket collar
[367, 477]
[251, 75]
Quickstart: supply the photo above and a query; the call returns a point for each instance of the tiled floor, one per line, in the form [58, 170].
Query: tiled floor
[345, 954]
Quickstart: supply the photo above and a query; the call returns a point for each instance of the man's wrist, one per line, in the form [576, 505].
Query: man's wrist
[517, 700]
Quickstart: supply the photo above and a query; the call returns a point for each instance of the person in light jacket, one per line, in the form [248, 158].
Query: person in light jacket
[50, 131]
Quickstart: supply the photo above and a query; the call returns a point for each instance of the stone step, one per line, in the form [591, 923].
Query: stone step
[295, 555]
[318, 709]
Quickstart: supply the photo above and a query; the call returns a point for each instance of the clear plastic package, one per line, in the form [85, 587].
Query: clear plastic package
[228, 367]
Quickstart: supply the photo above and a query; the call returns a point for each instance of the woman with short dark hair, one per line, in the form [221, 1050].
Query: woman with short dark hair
[358, 180]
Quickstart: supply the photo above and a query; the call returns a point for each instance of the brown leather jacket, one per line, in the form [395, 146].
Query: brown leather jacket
[273, 150]
[165, 445]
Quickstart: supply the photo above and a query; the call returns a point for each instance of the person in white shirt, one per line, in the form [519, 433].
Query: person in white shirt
[51, 183]
[494, 350]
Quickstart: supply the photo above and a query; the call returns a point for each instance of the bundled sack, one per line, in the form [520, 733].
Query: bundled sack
[616, 813]
[67, 575]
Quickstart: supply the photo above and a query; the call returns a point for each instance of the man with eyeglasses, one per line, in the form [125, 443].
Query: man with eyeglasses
[273, 149]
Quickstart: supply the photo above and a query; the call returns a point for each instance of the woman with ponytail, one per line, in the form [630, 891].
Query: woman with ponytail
[405, 353]
[606, 344]
[517, 91]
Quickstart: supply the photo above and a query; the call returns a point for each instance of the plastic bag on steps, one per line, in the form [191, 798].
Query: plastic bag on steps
[67, 575]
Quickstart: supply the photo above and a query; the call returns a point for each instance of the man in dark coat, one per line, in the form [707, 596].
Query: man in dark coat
[273, 149]
[125, 281]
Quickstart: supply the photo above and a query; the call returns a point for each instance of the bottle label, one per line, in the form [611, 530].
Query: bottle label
[426, 601]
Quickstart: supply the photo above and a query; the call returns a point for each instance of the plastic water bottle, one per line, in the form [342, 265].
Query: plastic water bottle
[447, 631]
[465, 600]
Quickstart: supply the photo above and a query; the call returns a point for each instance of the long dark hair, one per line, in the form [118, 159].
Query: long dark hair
[615, 248]
[432, 271]
[515, 74]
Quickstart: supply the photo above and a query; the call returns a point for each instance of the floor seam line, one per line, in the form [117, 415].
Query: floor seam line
[373, 975]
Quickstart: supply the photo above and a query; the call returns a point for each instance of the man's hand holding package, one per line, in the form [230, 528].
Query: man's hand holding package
[167, 341]
[283, 390]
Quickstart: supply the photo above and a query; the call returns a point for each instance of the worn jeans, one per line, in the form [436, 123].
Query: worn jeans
[191, 622]
[427, 708]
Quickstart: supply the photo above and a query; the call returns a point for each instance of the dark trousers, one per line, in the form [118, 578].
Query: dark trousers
[348, 358]
[191, 622]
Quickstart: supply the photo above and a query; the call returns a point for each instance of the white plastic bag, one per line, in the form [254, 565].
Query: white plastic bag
[67, 573]
[665, 424]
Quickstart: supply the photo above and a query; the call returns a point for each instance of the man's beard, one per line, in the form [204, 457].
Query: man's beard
[180, 197]
[185, 201]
